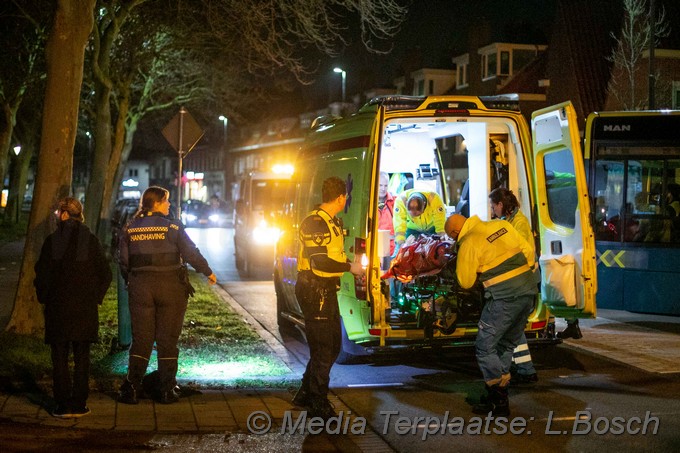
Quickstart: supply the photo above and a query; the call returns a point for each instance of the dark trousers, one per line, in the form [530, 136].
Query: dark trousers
[66, 393]
[318, 299]
[324, 339]
[157, 306]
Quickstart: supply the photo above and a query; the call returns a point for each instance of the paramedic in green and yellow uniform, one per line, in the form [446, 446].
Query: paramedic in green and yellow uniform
[321, 262]
[151, 251]
[417, 212]
[501, 259]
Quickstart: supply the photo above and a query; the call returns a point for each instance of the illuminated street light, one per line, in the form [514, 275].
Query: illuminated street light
[17, 150]
[224, 120]
[344, 78]
[223, 154]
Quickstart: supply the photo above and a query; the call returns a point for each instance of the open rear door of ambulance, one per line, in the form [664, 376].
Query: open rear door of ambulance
[568, 258]
[377, 299]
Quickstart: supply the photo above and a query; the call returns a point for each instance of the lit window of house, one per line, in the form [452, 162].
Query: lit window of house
[505, 59]
[462, 62]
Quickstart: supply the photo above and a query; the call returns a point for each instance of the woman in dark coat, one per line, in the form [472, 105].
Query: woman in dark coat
[72, 276]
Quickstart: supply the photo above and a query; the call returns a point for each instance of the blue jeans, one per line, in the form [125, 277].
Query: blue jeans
[501, 327]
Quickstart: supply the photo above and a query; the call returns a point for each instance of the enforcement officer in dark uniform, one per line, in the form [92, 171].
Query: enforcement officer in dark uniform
[151, 252]
[321, 262]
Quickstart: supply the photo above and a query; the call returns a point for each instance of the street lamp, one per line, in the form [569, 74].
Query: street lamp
[344, 78]
[224, 120]
[14, 177]
[224, 159]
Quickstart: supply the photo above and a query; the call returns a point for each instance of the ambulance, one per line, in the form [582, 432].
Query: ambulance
[461, 147]
[257, 213]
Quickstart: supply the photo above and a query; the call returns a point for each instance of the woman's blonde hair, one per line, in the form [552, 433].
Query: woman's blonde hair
[73, 207]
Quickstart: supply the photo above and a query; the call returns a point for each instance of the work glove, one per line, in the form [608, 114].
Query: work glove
[397, 246]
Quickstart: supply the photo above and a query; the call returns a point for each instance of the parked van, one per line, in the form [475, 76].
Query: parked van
[461, 147]
[258, 210]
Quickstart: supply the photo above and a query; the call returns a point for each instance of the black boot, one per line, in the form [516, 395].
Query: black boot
[302, 398]
[127, 393]
[168, 397]
[572, 331]
[520, 379]
[496, 402]
[321, 407]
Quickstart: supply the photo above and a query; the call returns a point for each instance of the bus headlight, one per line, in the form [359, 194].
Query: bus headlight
[264, 234]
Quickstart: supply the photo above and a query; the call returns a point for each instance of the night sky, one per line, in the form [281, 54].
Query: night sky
[434, 31]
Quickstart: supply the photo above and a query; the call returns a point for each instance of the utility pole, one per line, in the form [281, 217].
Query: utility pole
[182, 132]
[180, 157]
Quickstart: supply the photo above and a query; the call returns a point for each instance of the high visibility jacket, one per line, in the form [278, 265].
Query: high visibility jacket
[152, 242]
[495, 253]
[521, 224]
[386, 216]
[431, 220]
[323, 245]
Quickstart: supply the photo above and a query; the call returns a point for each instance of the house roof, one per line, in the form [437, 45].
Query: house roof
[581, 41]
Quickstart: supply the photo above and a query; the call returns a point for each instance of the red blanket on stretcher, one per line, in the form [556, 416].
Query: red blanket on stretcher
[426, 255]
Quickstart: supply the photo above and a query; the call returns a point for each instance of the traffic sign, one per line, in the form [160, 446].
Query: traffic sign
[183, 129]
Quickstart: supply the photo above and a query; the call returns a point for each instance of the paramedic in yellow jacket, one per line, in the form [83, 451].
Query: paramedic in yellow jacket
[321, 263]
[495, 254]
[417, 212]
[505, 206]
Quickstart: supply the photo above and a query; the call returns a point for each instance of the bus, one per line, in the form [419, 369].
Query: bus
[633, 165]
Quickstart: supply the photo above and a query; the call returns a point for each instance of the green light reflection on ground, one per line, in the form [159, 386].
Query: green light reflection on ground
[213, 369]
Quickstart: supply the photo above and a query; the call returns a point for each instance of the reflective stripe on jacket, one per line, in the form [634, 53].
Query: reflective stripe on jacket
[321, 234]
[152, 242]
[433, 217]
[496, 253]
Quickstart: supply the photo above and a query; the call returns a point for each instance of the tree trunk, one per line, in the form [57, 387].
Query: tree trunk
[110, 188]
[102, 154]
[65, 52]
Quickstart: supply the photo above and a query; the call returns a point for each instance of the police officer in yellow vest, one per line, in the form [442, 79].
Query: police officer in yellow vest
[501, 259]
[321, 262]
[150, 255]
[417, 212]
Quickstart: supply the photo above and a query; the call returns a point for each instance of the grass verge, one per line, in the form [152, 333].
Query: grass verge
[217, 349]
[10, 232]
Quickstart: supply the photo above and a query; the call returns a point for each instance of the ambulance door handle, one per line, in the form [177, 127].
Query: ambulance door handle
[556, 247]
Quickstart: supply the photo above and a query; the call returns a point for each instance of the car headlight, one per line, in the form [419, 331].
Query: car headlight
[191, 217]
[266, 235]
[214, 217]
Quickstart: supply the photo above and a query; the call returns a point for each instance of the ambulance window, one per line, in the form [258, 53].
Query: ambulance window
[560, 185]
[400, 182]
